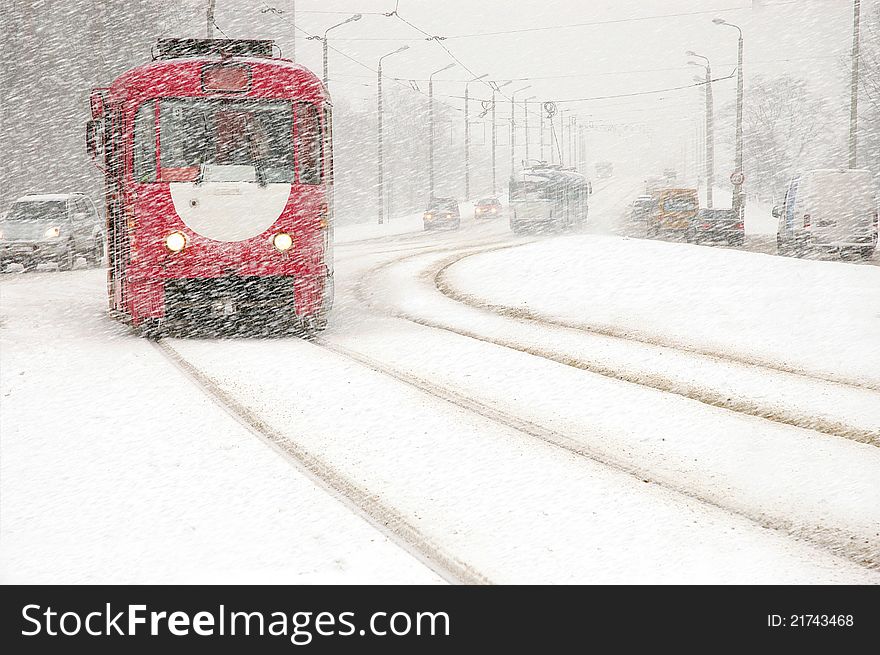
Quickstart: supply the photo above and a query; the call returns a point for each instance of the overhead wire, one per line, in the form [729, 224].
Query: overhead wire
[360, 63]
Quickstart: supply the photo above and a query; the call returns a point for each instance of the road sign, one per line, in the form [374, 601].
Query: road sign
[737, 178]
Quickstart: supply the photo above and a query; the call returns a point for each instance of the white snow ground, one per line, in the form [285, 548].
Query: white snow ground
[116, 468]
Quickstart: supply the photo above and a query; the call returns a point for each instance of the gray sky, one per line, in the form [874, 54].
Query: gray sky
[628, 52]
[632, 46]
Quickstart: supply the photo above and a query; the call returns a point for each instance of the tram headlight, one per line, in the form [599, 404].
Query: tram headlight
[175, 242]
[282, 242]
[52, 232]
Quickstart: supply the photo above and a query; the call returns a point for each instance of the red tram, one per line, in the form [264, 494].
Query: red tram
[218, 169]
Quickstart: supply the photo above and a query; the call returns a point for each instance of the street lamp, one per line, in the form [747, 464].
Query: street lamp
[513, 127]
[431, 114]
[323, 40]
[495, 88]
[526, 119]
[710, 126]
[467, 139]
[381, 160]
[739, 200]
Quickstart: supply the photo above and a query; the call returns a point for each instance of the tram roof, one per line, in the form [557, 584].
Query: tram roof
[169, 75]
[552, 172]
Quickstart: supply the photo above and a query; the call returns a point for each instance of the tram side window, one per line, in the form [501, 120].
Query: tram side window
[145, 143]
[308, 144]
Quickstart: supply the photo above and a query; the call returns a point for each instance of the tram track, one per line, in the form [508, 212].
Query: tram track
[719, 397]
[441, 282]
[848, 545]
[388, 521]
[401, 531]
[865, 552]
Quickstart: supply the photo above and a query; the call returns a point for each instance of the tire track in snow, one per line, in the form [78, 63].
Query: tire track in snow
[653, 380]
[385, 519]
[854, 547]
[445, 287]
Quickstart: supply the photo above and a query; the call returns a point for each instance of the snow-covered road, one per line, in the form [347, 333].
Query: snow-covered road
[438, 431]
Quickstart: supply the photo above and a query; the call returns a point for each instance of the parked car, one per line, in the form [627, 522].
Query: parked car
[487, 208]
[828, 209]
[717, 225]
[51, 228]
[442, 212]
[640, 209]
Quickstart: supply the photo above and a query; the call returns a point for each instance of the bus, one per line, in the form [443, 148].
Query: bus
[673, 211]
[549, 197]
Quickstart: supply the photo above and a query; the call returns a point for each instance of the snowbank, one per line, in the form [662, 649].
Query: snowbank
[822, 317]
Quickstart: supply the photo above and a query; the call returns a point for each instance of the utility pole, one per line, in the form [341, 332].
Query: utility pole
[512, 134]
[526, 124]
[381, 155]
[854, 90]
[323, 41]
[209, 31]
[513, 129]
[710, 128]
[494, 142]
[561, 140]
[467, 139]
[710, 139]
[431, 121]
[541, 130]
[582, 149]
[739, 199]
[495, 88]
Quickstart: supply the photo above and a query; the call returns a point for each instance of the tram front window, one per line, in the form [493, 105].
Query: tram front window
[226, 140]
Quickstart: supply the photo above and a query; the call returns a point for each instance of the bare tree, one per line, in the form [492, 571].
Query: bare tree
[785, 128]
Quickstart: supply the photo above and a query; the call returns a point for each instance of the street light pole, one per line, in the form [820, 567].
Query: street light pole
[495, 88]
[854, 90]
[210, 19]
[381, 156]
[561, 141]
[467, 139]
[739, 200]
[710, 129]
[541, 130]
[513, 129]
[431, 121]
[526, 124]
[323, 41]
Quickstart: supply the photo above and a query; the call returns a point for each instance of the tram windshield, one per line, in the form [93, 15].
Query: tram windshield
[533, 188]
[680, 203]
[235, 141]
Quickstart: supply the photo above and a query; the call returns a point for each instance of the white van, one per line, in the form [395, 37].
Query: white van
[828, 209]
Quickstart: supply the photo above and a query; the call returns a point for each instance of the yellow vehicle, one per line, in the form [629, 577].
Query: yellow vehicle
[673, 212]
